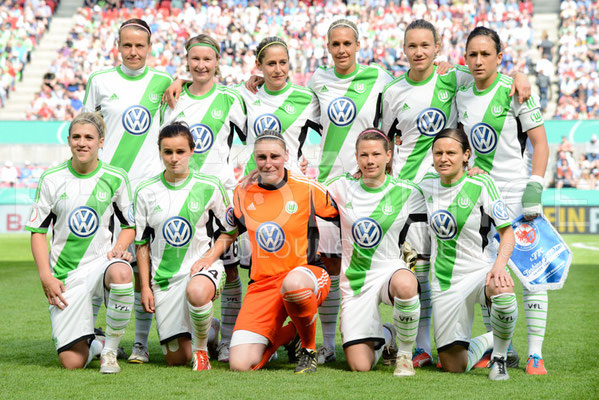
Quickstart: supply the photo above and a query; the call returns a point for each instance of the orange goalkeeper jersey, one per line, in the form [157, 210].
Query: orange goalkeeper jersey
[281, 223]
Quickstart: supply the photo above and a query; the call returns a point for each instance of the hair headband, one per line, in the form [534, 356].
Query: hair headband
[203, 45]
[345, 24]
[135, 24]
[271, 43]
[269, 136]
[375, 131]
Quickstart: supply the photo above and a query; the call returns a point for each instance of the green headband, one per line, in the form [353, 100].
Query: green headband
[203, 45]
[266, 45]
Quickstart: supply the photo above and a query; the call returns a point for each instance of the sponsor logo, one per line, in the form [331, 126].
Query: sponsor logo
[267, 121]
[483, 138]
[444, 224]
[367, 233]
[177, 231]
[84, 222]
[270, 237]
[136, 120]
[203, 138]
[465, 115]
[114, 97]
[64, 196]
[323, 89]
[216, 114]
[257, 103]
[443, 95]
[342, 111]
[157, 209]
[499, 211]
[405, 107]
[526, 236]
[291, 207]
[230, 216]
[349, 205]
[431, 121]
[251, 207]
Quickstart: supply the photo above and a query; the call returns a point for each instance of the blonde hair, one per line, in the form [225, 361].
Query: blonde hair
[209, 41]
[92, 118]
[343, 23]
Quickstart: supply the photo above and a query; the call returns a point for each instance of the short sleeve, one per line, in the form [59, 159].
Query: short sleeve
[417, 224]
[123, 204]
[223, 210]
[528, 113]
[140, 212]
[493, 204]
[324, 205]
[41, 209]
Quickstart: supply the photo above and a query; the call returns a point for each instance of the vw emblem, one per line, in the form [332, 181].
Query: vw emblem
[230, 216]
[84, 221]
[499, 211]
[342, 111]
[431, 121]
[267, 121]
[483, 138]
[270, 237]
[137, 120]
[203, 138]
[444, 224]
[367, 233]
[177, 231]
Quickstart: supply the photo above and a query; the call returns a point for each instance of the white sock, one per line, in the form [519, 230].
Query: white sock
[201, 320]
[143, 322]
[536, 305]
[478, 346]
[484, 310]
[118, 314]
[423, 339]
[406, 315]
[95, 348]
[504, 312]
[328, 313]
[230, 304]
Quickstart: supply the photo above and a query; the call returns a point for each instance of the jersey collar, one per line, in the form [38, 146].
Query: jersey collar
[423, 82]
[179, 186]
[456, 183]
[193, 96]
[83, 176]
[376, 189]
[487, 90]
[131, 78]
[351, 74]
[273, 187]
[277, 92]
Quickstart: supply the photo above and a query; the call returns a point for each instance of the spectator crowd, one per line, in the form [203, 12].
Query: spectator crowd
[577, 169]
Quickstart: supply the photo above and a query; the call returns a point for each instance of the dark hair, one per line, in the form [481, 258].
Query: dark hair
[422, 24]
[138, 24]
[267, 42]
[378, 135]
[483, 31]
[174, 129]
[458, 135]
[270, 134]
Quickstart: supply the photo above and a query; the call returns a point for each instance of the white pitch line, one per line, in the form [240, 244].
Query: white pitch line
[585, 246]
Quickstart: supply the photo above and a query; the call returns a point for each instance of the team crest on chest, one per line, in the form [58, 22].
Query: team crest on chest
[367, 233]
[289, 109]
[496, 110]
[443, 95]
[483, 138]
[216, 114]
[193, 206]
[431, 121]
[137, 120]
[464, 202]
[291, 207]
[267, 121]
[444, 224]
[84, 222]
[387, 209]
[270, 237]
[360, 87]
[177, 231]
[154, 97]
[203, 138]
[342, 111]
[101, 196]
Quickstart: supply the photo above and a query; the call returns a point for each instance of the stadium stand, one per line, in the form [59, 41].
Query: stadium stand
[239, 25]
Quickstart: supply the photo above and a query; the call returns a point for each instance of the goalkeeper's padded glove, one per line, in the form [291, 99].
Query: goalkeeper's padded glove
[409, 255]
[531, 199]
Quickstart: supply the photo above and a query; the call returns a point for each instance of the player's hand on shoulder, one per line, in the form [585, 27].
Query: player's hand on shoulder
[249, 179]
[147, 299]
[303, 165]
[521, 85]
[53, 289]
[172, 93]
[475, 171]
[443, 67]
[253, 83]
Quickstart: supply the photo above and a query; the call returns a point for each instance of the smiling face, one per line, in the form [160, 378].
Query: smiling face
[482, 60]
[449, 159]
[270, 156]
[421, 50]
[202, 62]
[274, 66]
[175, 153]
[372, 160]
[343, 47]
[84, 141]
[134, 46]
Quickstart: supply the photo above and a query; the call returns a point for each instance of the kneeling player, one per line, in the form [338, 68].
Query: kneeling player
[288, 278]
[461, 210]
[378, 213]
[174, 209]
[79, 198]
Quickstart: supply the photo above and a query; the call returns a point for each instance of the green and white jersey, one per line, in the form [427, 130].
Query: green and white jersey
[496, 126]
[129, 106]
[348, 105]
[213, 119]
[291, 111]
[80, 209]
[374, 224]
[417, 111]
[460, 217]
[177, 219]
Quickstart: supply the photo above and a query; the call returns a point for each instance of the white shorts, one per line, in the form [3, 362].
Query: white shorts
[76, 321]
[329, 242]
[247, 337]
[172, 313]
[360, 319]
[453, 310]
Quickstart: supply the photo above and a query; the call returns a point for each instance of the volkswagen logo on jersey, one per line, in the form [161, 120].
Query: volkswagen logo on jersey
[137, 120]
[431, 121]
[342, 111]
[483, 138]
[526, 236]
[84, 221]
[499, 211]
[270, 237]
[367, 233]
[444, 224]
[267, 121]
[203, 138]
[230, 216]
[177, 231]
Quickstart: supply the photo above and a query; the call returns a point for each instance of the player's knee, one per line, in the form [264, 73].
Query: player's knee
[359, 364]
[71, 363]
[178, 358]
[239, 364]
[120, 273]
[403, 285]
[493, 290]
[198, 292]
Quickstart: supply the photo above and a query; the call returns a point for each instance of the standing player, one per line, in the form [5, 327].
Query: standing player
[128, 97]
[214, 113]
[498, 128]
[288, 278]
[378, 213]
[349, 97]
[79, 199]
[278, 104]
[466, 270]
[175, 210]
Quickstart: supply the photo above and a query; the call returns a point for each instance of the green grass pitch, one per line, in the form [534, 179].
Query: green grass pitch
[29, 367]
